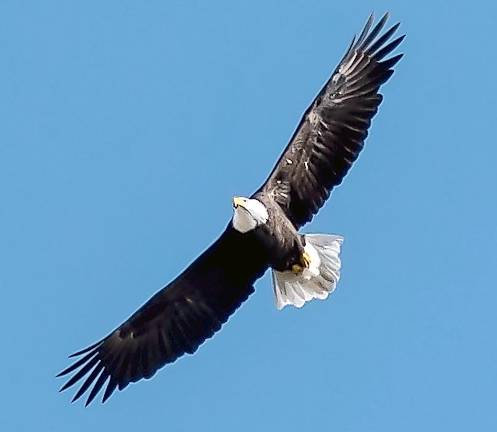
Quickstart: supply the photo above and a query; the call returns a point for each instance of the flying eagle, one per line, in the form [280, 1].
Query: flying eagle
[263, 232]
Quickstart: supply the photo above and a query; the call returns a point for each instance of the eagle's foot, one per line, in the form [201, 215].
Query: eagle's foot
[297, 269]
[305, 262]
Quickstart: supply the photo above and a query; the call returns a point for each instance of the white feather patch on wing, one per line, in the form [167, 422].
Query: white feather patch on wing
[317, 281]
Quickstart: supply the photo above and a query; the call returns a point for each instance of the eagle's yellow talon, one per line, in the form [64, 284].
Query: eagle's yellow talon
[306, 260]
[296, 268]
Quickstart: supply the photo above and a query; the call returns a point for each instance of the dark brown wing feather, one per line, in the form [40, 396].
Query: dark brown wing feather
[174, 321]
[332, 131]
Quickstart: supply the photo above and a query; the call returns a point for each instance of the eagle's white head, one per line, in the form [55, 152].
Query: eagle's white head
[248, 214]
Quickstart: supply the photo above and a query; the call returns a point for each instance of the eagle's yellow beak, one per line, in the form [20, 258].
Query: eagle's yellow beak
[238, 201]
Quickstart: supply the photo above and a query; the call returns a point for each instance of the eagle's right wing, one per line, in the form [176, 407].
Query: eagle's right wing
[332, 131]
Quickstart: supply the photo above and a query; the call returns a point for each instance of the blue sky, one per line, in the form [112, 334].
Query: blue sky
[126, 129]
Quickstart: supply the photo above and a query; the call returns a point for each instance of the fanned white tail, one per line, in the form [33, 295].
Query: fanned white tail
[316, 281]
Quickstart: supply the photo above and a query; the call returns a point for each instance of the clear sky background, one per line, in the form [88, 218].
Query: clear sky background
[126, 128]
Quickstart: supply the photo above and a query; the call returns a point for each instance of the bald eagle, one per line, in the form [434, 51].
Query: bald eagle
[262, 233]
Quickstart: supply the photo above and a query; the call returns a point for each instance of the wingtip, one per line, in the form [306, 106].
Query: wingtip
[367, 26]
[64, 387]
[392, 61]
[85, 350]
[90, 398]
[109, 390]
[75, 397]
[64, 372]
[382, 21]
[370, 20]
[394, 28]
[81, 391]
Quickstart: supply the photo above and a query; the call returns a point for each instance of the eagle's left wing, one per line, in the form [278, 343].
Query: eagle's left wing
[332, 131]
[174, 321]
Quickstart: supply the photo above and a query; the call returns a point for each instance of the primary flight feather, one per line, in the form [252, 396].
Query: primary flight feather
[263, 233]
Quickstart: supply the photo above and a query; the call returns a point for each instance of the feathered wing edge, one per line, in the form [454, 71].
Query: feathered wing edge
[332, 131]
[175, 321]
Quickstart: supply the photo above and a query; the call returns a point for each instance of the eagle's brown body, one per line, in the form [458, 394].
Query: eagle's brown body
[282, 242]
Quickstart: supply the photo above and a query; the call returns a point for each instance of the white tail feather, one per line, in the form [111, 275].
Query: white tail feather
[316, 281]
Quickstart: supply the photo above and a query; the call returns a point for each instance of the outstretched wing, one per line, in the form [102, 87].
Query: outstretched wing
[332, 131]
[174, 321]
